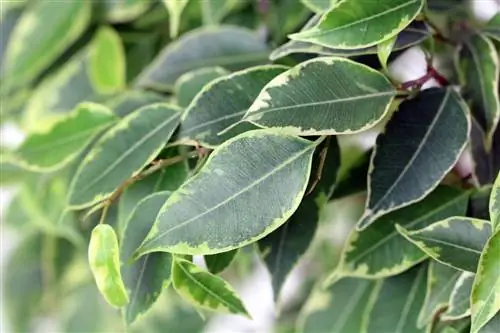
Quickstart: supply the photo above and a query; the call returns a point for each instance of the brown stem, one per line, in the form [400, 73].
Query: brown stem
[431, 73]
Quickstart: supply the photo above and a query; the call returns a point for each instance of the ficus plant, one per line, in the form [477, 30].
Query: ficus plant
[171, 146]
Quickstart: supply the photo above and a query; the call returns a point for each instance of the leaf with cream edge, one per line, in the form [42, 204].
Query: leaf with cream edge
[342, 308]
[323, 96]
[175, 9]
[440, 282]
[210, 117]
[318, 6]
[495, 204]
[282, 249]
[217, 263]
[146, 277]
[459, 302]
[107, 62]
[456, 241]
[214, 211]
[357, 24]
[479, 70]
[204, 289]
[398, 303]
[231, 47]
[122, 152]
[132, 100]
[191, 83]
[59, 145]
[384, 50]
[380, 251]
[492, 325]
[492, 28]
[485, 297]
[405, 166]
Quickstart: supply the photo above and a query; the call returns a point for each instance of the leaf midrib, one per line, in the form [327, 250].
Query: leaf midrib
[409, 302]
[446, 243]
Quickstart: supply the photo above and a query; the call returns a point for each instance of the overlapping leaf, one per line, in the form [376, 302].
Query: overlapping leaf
[456, 241]
[191, 83]
[485, 297]
[122, 152]
[214, 211]
[323, 96]
[213, 11]
[146, 277]
[486, 161]
[223, 103]
[357, 24]
[379, 251]
[123, 11]
[175, 9]
[341, 308]
[217, 263]
[459, 303]
[495, 204]
[492, 28]
[204, 289]
[399, 301]
[318, 6]
[421, 143]
[130, 101]
[58, 146]
[230, 47]
[479, 70]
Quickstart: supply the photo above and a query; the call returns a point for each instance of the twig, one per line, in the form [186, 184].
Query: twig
[431, 73]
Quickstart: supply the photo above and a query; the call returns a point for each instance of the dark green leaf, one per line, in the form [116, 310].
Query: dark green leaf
[322, 104]
[486, 162]
[478, 203]
[215, 10]
[191, 83]
[122, 152]
[492, 325]
[210, 113]
[217, 263]
[354, 179]
[421, 143]
[230, 47]
[459, 302]
[229, 189]
[492, 28]
[456, 241]
[130, 101]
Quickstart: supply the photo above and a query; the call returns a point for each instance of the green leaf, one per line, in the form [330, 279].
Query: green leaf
[175, 9]
[379, 251]
[130, 101]
[440, 282]
[213, 11]
[318, 6]
[229, 189]
[45, 30]
[479, 70]
[405, 167]
[495, 204]
[217, 263]
[123, 11]
[413, 34]
[209, 115]
[492, 28]
[486, 161]
[357, 24]
[105, 265]
[353, 180]
[146, 277]
[230, 47]
[322, 104]
[479, 202]
[191, 83]
[107, 62]
[341, 308]
[492, 325]
[459, 302]
[456, 241]
[122, 152]
[55, 148]
[485, 297]
[204, 289]
[399, 301]
[384, 50]
[283, 248]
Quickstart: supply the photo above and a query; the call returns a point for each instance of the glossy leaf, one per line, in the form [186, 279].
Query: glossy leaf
[107, 62]
[43, 33]
[175, 9]
[230, 47]
[456, 241]
[191, 83]
[105, 265]
[210, 113]
[399, 301]
[492, 325]
[130, 101]
[341, 308]
[146, 277]
[122, 152]
[495, 203]
[413, 34]
[380, 251]
[51, 150]
[459, 302]
[224, 194]
[322, 104]
[283, 248]
[204, 289]
[440, 282]
[485, 297]
[486, 160]
[479, 71]
[384, 50]
[492, 28]
[355, 24]
[318, 6]
[420, 145]
[217, 263]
